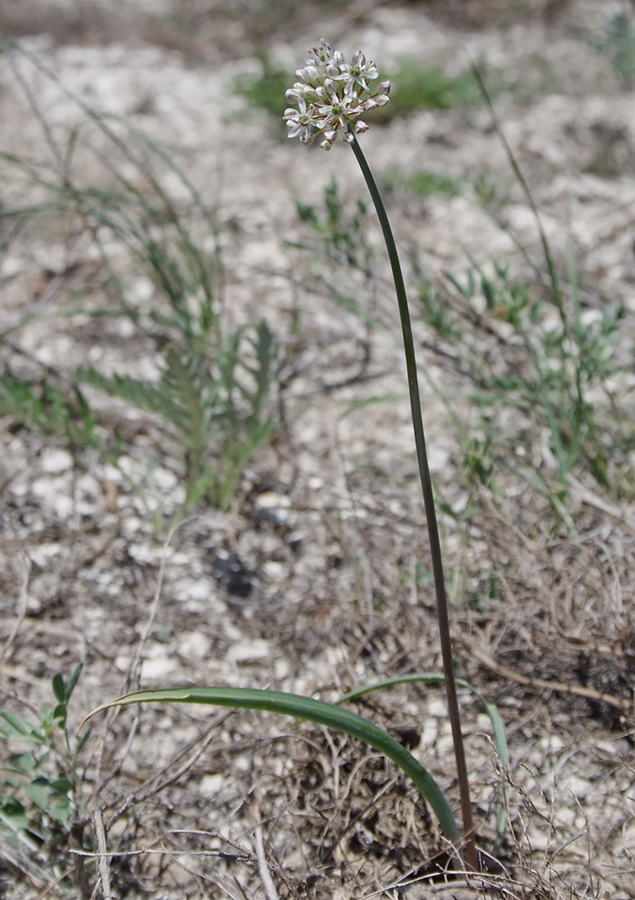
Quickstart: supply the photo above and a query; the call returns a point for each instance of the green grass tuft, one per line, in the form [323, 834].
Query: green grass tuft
[417, 87]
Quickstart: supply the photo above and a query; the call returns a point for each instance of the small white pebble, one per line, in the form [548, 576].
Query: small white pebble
[53, 461]
[193, 645]
[249, 651]
[578, 787]
[209, 785]
[272, 500]
[273, 570]
[156, 669]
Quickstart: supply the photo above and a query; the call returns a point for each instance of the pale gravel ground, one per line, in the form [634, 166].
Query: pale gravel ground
[581, 790]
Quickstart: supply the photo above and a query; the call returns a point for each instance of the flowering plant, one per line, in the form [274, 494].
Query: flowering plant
[331, 94]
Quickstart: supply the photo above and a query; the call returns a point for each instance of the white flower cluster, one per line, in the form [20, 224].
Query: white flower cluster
[331, 94]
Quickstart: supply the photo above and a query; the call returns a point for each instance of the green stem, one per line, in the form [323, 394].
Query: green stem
[428, 501]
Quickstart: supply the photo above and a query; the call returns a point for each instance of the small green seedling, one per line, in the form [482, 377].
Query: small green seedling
[39, 783]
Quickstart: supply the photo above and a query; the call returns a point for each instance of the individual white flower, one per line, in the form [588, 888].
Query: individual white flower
[333, 111]
[357, 73]
[322, 54]
[299, 122]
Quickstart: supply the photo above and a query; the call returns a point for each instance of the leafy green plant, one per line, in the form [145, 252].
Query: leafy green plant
[51, 411]
[340, 230]
[617, 42]
[213, 401]
[39, 780]
[492, 189]
[529, 342]
[265, 89]
[526, 342]
[434, 308]
[422, 183]
[418, 87]
[212, 395]
[565, 357]
[541, 354]
[338, 241]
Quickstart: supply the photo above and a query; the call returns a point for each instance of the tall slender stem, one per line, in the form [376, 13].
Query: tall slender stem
[428, 501]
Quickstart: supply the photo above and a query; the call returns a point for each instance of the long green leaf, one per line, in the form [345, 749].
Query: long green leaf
[308, 709]
[498, 728]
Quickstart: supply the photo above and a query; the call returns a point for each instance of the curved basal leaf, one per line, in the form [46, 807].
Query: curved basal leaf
[308, 709]
[491, 709]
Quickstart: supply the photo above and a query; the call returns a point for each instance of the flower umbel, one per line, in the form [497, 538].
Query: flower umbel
[331, 94]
